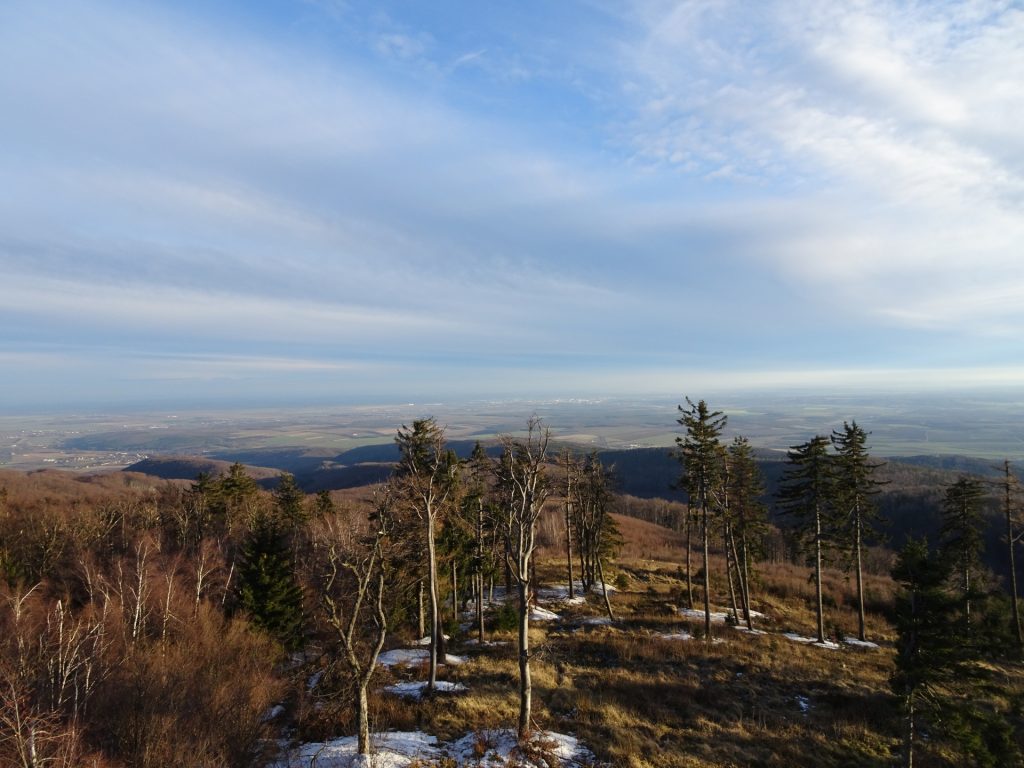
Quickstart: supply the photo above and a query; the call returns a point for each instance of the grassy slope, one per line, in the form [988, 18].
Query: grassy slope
[640, 700]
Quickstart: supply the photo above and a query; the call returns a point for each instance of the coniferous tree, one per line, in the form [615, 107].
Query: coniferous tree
[929, 652]
[747, 512]
[700, 453]
[806, 495]
[426, 482]
[855, 488]
[1011, 511]
[961, 533]
[290, 500]
[267, 588]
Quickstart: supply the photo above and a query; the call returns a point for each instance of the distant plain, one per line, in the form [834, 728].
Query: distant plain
[988, 425]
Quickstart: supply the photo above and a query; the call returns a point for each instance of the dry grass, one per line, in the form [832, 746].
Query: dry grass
[641, 701]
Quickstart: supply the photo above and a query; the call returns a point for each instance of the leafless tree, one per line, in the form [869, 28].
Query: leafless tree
[355, 565]
[522, 477]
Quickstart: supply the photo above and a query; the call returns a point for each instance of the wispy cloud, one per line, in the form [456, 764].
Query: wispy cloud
[559, 188]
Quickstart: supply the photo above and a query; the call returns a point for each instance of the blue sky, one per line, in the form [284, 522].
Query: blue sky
[327, 199]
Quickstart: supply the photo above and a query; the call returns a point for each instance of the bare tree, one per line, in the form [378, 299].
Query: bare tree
[522, 477]
[355, 571]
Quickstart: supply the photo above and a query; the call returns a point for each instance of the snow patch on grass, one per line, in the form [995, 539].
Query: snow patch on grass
[717, 617]
[415, 690]
[480, 749]
[750, 631]
[674, 636]
[497, 749]
[543, 614]
[859, 643]
[408, 657]
[391, 750]
[810, 641]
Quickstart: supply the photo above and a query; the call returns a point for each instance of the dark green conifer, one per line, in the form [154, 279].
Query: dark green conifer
[267, 589]
[806, 495]
[855, 489]
[961, 533]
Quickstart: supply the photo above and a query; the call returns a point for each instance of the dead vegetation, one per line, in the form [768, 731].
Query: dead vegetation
[191, 687]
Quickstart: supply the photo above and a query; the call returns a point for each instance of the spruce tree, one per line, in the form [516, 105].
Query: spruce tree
[290, 500]
[747, 511]
[855, 488]
[267, 589]
[806, 495]
[929, 652]
[700, 453]
[961, 533]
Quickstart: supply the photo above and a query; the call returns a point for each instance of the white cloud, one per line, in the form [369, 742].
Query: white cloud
[892, 130]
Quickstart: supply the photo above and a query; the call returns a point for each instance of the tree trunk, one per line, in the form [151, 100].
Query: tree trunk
[689, 572]
[480, 607]
[568, 536]
[1013, 564]
[422, 623]
[860, 577]
[707, 571]
[455, 592]
[819, 603]
[435, 608]
[908, 746]
[730, 563]
[741, 577]
[363, 719]
[604, 589]
[480, 572]
[525, 683]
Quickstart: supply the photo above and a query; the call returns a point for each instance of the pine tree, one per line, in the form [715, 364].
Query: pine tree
[806, 495]
[700, 454]
[855, 488]
[267, 588]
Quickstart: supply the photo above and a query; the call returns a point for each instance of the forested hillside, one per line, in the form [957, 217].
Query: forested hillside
[512, 596]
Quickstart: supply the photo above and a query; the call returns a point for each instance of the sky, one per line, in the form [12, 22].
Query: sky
[336, 200]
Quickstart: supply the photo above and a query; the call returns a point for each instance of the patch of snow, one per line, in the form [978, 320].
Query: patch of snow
[859, 643]
[804, 703]
[391, 750]
[314, 680]
[674, 636]
[810, 641]
[597, 621]
[426, 640]
[739, 628]
[415, 690]
[543, 614]
[407, 657]
[487, 643]
[497, 749]
[717, 617]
